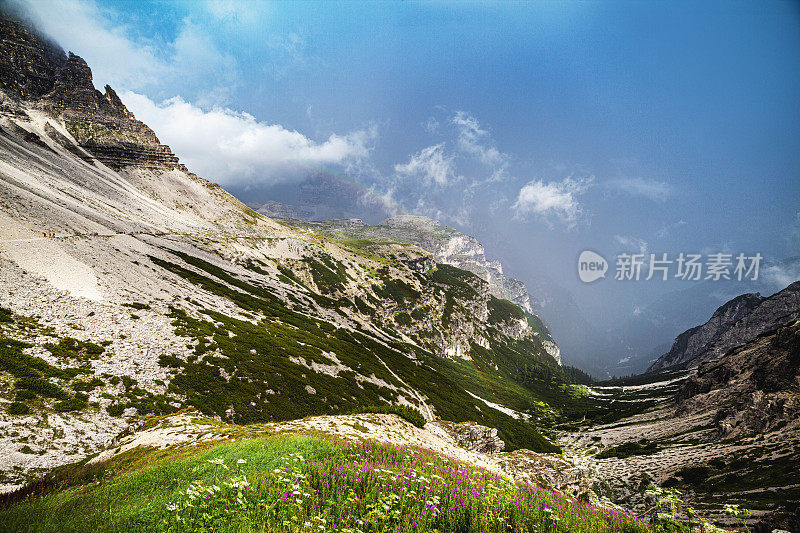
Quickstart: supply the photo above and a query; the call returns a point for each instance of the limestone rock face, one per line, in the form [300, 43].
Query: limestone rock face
[451, 247]
[34, 70]
[472, 436]
[29, 63]
[734, 324]
[552, 471]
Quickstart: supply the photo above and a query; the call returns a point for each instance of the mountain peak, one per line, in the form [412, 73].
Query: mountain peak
[734, 323]
[36, 73]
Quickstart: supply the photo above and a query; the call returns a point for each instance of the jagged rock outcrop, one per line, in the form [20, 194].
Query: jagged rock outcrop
[34, 70]
[552, 471]
[737, 322]
[756, 385]
[472, 436]
[452, 247]
[446, 246]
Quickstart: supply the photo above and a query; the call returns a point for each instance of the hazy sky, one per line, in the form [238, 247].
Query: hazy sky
[542, 128]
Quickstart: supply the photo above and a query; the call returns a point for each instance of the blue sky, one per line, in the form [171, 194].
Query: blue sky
[542, 128]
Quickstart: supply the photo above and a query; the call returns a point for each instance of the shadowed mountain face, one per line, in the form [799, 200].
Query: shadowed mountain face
[643, 338]
[735, 323]
[754, 386]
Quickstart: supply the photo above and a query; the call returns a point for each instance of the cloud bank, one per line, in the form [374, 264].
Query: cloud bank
[232, 147]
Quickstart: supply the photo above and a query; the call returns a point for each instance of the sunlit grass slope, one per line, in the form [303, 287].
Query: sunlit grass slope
[294, 484]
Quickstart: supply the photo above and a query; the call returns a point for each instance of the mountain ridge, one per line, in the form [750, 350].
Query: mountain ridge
[446, 245]
[732, 324]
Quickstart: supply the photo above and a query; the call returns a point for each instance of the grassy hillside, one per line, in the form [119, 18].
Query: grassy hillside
[279, 360]
[293, 483]
[236, 359]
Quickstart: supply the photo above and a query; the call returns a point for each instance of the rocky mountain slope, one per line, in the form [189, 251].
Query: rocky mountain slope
[755, 388]
[726, 433]
[733, 324]
[129, 287]
[447, 246]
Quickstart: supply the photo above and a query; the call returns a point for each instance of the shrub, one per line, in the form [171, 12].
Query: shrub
[115, 409]
[628, 449]
[24, 394]
[87, 385]
[18, 408]
[6, 315]
[72, 404]
[170, 361]
[329, 277]
[693, 474]
[403, 318]
[503, 311]
[409, 414]
[70, 348]
[41, 386]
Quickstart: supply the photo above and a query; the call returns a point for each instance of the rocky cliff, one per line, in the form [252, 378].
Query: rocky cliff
[733, 324]
[35, 71]
[447, 246]
[753, 387]
[454, 248]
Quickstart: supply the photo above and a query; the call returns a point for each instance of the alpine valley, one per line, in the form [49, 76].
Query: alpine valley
[157, 334]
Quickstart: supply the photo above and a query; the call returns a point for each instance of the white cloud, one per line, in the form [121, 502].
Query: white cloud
[631, 242]
[657, 191]
[430, 164]
[451, 180]
[233, 147]
[475, 141]
[557, 199]
[236, 12]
